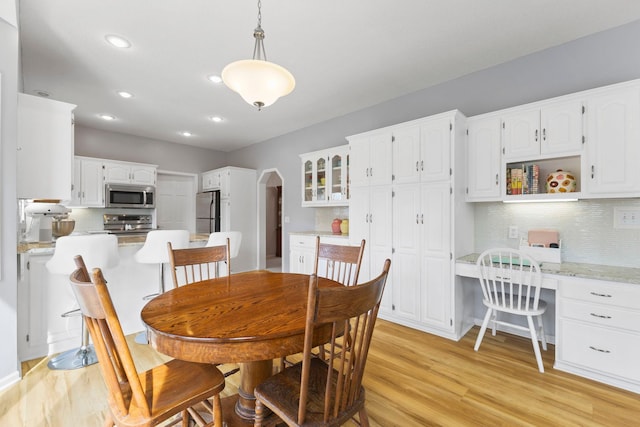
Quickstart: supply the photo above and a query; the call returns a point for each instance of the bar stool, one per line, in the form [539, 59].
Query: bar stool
[98, 250]
[219, 238]
[154, 251]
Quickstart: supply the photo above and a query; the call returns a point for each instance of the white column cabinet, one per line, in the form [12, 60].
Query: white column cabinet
[427, 226]
[610, 167]
[45, 148]
[484, 179]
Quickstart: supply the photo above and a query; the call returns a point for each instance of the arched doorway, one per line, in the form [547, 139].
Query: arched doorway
[270, 205]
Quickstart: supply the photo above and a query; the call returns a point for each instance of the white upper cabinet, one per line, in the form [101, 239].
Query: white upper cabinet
[211, 180]
[554, 129]
[371, 155]
[325, 177]
[44, 149]
[610, 167]
[483, 159]
[88, 183]
[129, 173]
[421, 151]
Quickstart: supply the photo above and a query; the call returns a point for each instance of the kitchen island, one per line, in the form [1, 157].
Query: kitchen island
[43, 297]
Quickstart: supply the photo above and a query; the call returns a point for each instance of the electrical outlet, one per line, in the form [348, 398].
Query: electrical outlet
[513, 232]
[626, 218]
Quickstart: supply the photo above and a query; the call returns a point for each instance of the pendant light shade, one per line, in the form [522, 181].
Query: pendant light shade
[257, 80]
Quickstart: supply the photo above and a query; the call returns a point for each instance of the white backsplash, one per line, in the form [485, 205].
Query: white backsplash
[91, 219]
[586, 229]
[325, 216]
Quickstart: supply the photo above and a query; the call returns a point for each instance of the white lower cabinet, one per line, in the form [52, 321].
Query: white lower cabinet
[598, 331]
[302, 251]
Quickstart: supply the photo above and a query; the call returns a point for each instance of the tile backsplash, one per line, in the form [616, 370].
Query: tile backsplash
[325, 216]
[585, 227]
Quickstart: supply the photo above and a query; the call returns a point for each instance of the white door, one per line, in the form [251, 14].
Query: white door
[483, 151]
[561, 127]
[435, 150]
[613, 143]
[380, 234]
[522, 134]
[92, 183]
[406, 155]
[175, 202]
[406, 251]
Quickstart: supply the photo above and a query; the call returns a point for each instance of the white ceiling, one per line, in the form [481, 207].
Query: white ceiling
[345, 55]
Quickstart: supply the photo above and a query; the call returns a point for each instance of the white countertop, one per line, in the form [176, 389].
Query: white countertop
[318, 233]
[574, 269]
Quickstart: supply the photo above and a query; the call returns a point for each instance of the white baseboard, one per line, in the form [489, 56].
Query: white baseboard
[9, 380]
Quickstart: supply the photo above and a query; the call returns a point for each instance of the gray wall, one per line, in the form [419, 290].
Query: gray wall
[597, 60]
[8, 266]
[168, 156]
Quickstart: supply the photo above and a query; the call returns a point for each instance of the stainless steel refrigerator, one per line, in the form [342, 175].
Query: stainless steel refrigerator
[208, 212]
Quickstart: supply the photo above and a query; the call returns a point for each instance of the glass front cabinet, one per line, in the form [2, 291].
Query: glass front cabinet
[325, 177]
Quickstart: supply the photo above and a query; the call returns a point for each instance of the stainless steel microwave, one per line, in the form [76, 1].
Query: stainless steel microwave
[130, 196]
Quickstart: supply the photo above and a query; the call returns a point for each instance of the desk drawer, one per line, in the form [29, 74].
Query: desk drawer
[600, 314]
[602, 292]
[603, 349]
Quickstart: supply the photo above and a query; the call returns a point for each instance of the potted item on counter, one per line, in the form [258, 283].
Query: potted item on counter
[335, 226]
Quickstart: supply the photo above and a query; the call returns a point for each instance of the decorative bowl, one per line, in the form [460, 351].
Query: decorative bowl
[561, 182]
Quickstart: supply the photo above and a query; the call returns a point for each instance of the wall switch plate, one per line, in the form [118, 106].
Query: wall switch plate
[513, 232]
[626, 218]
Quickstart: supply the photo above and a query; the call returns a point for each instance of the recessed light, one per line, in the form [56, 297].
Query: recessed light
[42, 93]
[215, 119]
[186, 133]
[124, 94]
[117, 41]
[215, 79]
[107, 117]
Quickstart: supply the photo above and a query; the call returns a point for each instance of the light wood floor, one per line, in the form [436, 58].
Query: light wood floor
[412, 379]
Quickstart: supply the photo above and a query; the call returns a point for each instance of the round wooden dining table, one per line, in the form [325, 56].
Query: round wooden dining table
[247, 318]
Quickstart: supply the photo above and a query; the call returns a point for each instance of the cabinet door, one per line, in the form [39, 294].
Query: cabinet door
[483, 166]
[359, 172]
[380, 155]
[380, 236]
[308, 179]
[436, 264]
[406, 155]
[76, 193]
[337, 181]
[210, 181]
[613, 143]
[406, 251]
[143, 175]
[561, 127]
[321, 165]
[359, 226]
[521, 133]
[117, 173]
[435, 150]
[225, 183]
[225, 216]
[44, 148]
[92, 183]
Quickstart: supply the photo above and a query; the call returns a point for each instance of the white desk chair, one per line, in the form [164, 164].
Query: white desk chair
[154, 251]
[510, 281]
[220, 238]
[98, 251]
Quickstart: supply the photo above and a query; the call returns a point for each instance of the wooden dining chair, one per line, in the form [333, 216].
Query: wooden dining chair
[150, 397]
[196, 264]
[327, 392]
[339, 263]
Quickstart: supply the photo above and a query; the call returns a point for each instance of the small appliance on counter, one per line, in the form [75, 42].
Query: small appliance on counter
[39, 217]
[127, 224]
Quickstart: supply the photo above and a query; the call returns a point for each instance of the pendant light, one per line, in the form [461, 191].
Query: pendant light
[258, 81]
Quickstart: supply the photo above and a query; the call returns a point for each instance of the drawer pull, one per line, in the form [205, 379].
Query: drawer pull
[599, 349]
[601, 316]
[600, 295]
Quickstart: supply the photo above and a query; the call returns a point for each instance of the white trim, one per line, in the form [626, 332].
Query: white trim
[9, 380]
[261, 217]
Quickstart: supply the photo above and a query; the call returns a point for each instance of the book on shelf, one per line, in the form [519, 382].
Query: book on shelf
[523, 180]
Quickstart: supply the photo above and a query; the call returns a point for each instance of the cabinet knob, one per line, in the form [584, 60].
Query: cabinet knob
[417, 166]
[497, 182]
[536, 137]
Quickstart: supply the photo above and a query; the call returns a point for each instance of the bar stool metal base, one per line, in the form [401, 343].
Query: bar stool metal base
[74, 359]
